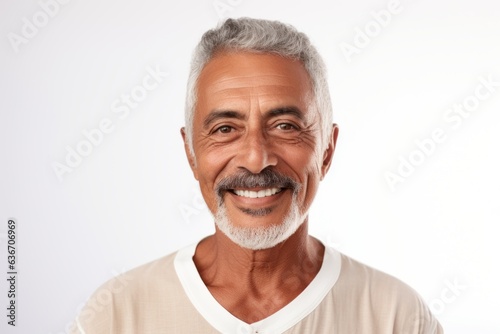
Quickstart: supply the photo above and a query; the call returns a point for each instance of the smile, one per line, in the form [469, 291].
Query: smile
[257, 194]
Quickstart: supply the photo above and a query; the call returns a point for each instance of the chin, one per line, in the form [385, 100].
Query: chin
[259, 237]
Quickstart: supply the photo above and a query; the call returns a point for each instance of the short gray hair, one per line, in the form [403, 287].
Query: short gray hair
[260, 36]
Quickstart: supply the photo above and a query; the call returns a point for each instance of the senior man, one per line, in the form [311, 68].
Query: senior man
[259, 139]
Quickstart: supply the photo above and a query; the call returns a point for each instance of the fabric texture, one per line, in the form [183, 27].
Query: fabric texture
[345, 297]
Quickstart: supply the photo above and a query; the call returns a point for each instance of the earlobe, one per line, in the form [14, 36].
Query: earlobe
[189, 154]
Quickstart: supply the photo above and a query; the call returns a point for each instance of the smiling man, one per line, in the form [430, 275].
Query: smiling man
[259, 139]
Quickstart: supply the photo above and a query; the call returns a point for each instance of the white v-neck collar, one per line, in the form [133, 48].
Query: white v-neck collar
[223, 321]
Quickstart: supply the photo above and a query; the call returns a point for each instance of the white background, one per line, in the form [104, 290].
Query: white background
[133, 198]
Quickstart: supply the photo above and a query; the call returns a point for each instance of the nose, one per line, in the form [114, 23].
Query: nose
[257, 152]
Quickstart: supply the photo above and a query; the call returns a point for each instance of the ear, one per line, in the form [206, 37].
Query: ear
[328, 154]
[189, 154]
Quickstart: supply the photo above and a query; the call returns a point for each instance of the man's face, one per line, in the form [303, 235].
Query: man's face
[255, 117]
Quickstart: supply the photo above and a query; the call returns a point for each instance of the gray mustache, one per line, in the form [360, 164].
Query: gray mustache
[267, 179]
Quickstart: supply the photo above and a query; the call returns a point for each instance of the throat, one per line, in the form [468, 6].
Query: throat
[251, 288]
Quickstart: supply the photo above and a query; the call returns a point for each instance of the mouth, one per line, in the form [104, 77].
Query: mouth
[256, 193]
[266, 189]
[256, 202]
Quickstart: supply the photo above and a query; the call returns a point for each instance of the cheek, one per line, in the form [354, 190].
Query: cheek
[210, 171]
[207, 187]
[308, 192]
[306, 163]
[307, 166]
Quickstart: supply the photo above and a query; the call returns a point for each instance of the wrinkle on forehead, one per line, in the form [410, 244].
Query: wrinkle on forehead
[244, 70]
[243, 81]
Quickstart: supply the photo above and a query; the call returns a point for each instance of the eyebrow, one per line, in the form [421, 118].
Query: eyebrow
[218, 114]
[221, 114]
[288, 110]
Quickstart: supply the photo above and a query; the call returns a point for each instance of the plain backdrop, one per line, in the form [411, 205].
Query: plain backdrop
[399, 71]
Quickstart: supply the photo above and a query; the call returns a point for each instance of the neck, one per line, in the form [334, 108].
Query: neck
[231, 272]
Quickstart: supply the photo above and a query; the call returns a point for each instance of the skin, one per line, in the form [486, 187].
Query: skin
[254, 112]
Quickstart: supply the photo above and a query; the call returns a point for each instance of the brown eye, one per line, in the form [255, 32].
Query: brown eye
[286, 126]
[224, 129]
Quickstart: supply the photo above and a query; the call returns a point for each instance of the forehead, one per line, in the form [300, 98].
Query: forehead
[232, 78]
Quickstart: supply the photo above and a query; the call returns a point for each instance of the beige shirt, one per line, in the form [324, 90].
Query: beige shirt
[168, 296]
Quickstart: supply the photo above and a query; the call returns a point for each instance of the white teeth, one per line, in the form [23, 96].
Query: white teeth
[257, 194]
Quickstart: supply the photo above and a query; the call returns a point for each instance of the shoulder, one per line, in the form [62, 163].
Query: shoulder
[367, 280]
[373, 294]
[157, 273]
[130, 294]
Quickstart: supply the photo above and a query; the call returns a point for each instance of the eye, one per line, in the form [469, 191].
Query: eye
[286, 127]
[224, 129]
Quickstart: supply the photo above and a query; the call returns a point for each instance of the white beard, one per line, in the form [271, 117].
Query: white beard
[257, 238]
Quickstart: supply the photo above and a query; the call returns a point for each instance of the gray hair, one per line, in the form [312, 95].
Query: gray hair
[260, 36]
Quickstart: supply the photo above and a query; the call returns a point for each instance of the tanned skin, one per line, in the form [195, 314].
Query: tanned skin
[256, 111]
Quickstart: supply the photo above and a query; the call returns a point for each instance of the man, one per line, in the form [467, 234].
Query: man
[259, 139]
